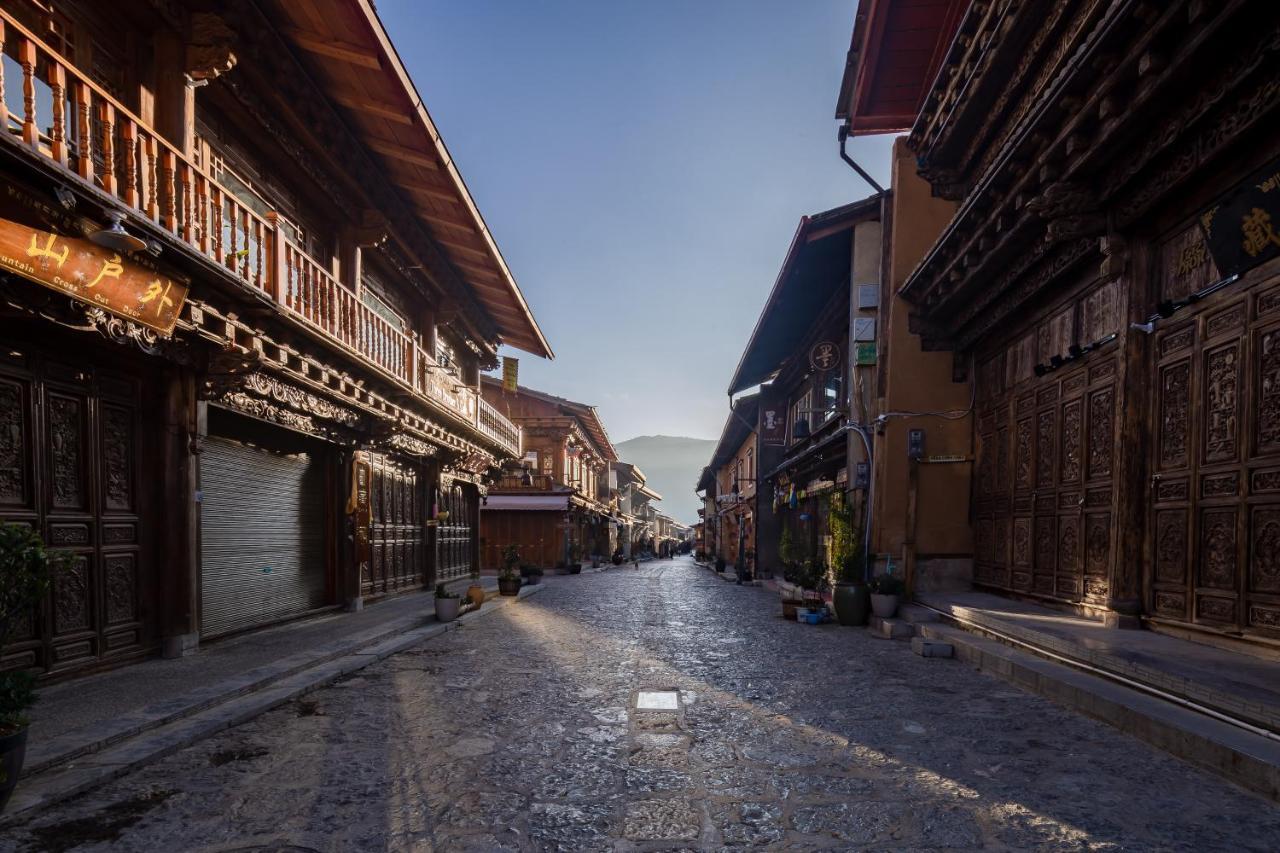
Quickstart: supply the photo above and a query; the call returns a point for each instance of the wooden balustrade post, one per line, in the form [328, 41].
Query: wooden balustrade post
[202, 213]
[27, 59]
[107, 118]
[215, 201]
[84, 133]
[129, 140]
[169, 185]
[277, 271]
[58, 92]
[412, 372]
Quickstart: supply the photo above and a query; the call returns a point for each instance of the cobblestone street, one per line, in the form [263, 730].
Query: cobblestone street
[519, 732]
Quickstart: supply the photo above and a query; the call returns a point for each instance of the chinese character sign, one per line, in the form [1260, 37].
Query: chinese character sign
[131, 288]
[824, 355]
[773, 420]
[1243, 229]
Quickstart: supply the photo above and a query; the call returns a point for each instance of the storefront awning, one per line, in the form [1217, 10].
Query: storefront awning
[550, 503]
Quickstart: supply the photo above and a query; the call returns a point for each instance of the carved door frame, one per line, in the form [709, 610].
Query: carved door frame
[398, 538]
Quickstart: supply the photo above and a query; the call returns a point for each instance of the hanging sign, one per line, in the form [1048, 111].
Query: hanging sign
[128, 285]
[824, 355]
[866, 353]
[773, 420]
[1243, 229]
[510, 373]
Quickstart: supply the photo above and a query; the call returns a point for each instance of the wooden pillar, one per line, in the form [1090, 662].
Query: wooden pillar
[427, 329]
[174, 98]
[1133, 385]
[185, 427]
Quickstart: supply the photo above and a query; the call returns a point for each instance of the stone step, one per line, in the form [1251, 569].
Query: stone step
[1242, 756]
[891, 629]
[916, 615]
[932, 648]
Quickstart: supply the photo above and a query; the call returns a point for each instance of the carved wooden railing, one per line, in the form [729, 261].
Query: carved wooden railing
[515, 482]
[71, 120]
[498, 428]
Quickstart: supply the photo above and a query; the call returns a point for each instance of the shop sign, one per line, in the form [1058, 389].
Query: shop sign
[510, 374]
[358, 506]
[773, 420]
[865, 353]
[1243, 229]
[129, 286]
[824, 355]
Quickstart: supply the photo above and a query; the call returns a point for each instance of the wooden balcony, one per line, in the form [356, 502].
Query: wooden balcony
[514, 483]
[71, 121]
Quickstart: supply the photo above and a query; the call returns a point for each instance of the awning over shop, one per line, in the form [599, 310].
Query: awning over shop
[550, 503]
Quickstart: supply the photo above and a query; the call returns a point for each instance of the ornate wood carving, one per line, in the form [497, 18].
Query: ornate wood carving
[13, 444]
[1175, 401]
[117, 457]
[1022, 455]
[1071, 428]
[121, 578]
[1171, 546]
[1045, 450]
[1102, 418]
[1222, 378]
[1268, 383]
[65, 442]
[1264, 551]
[1218, 549]
[71, 596]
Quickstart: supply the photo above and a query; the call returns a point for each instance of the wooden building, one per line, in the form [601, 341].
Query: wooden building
[729, 483]
[560, 505]
[246, 302]
[810, 350]
[635, 513]
[1108, 287]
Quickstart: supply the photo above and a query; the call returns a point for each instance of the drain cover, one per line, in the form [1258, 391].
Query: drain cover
[658, 700]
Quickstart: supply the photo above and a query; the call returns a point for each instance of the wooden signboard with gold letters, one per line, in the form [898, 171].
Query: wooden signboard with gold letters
[127, 285]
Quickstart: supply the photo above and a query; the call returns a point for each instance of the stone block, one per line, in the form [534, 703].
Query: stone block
[891, 629]
[932, 648]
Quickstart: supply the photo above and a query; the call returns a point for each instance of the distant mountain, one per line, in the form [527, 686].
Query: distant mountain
[672, 465]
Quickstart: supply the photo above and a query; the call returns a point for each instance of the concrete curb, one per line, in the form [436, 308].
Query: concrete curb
[122, 755]
[1249, 760]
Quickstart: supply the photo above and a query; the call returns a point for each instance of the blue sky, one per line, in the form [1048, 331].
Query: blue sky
[642, 166]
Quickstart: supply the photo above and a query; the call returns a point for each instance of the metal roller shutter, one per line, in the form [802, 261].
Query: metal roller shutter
[262, 536]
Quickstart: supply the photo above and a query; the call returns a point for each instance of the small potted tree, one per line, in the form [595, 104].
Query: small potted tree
[26, 568]
[575, 558]
[509, 576]
[447, 604]
[886, 593]
[848, 557]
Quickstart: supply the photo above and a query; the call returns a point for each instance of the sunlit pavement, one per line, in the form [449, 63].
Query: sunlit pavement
[521, 732]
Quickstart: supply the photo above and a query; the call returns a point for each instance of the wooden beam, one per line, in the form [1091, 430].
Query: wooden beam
[376, 108]
[462, 247]
[484, 272]
[403, 153]
[334, 49]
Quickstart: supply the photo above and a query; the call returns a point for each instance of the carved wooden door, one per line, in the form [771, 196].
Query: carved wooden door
[398, 556]
[1215, 484]
[1046, 448]
[455, 532]
[71, 443]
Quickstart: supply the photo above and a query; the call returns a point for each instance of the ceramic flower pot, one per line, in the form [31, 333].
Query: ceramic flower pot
[447, 609]
[852, 604]
[508, 586]
[884, 606]
[13, 751]
[475, 593]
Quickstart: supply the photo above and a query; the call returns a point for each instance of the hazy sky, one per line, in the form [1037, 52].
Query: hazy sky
[642, 165]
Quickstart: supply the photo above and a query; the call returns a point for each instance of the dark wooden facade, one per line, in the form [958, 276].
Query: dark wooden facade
[332, 297]
[1123, 380]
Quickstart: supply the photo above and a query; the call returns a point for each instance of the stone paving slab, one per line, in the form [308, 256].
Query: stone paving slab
[159, 738]
[521, 733]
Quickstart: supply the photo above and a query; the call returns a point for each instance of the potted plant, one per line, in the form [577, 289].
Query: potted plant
[509, 576]
[475, 592]
[447, 604]
[886, 592]
[531, 574]
[849, 598]
[575, 558]
[26, 568]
